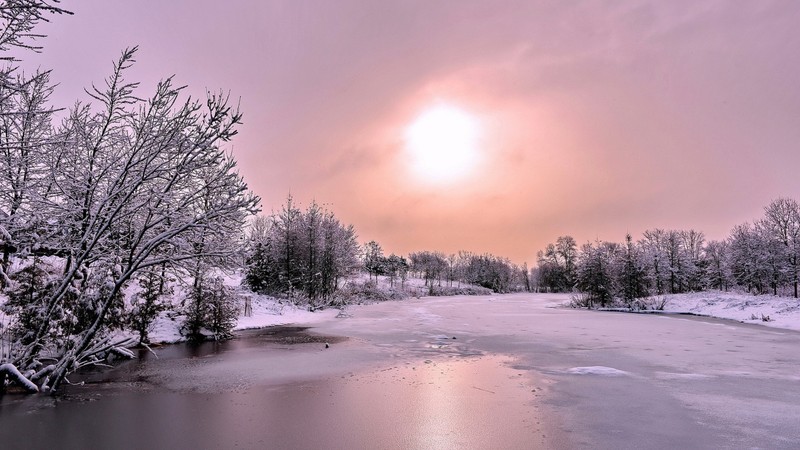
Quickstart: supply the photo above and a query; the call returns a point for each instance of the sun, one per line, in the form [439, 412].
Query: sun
[443, 144]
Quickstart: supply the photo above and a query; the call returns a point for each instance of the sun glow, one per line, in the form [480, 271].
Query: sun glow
[443, 144]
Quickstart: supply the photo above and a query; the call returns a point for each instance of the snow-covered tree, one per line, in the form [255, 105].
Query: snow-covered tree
[130, 184]
[596, 272]
[632, 272]
[653, 245]
[374, 262]
[431, 265]
[340, 254]
[495, 273]
[149, 301]
[396, 266]
[212, 308]
[557, 265]
[25, 128]
[747, 258]
[18, 20]
[301, 254]
[781, 224]
[717, 256]
[286, 225]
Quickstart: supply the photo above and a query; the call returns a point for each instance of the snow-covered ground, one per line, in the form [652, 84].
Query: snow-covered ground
[779, 312]
[266, 311]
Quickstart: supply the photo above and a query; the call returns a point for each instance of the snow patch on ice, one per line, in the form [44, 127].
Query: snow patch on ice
[597, 370]
[424, 316]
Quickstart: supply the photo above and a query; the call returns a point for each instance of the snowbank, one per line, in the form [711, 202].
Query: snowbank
[779, 312]
[265, 312]
[769, 310]
[268, 311]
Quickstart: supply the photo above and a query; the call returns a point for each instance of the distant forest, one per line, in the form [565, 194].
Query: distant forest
[759, 257]
[306, 255]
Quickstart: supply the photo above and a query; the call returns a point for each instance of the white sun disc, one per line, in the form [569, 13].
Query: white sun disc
[443, 143]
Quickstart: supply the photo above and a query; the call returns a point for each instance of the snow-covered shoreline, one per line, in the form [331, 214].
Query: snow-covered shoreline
[781, 312]
[768, 310]
[266, 312]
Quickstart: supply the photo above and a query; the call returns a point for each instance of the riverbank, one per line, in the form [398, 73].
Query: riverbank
[767, 310]
[265, 312]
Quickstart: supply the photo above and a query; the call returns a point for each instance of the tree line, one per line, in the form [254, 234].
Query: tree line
[486, 270]
[306, 255]
[759, 257]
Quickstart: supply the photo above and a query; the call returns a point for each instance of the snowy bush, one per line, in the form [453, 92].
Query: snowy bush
[580, 300]
[458, 290]
[655, 303]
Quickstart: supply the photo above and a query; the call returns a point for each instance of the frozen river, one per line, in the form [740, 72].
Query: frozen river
[451, 372]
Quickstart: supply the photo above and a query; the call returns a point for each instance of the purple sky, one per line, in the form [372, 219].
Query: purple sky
[599, 117]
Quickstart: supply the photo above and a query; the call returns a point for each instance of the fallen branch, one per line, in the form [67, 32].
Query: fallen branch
[9, 370]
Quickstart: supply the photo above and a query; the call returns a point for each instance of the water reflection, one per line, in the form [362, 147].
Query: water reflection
[453, 403]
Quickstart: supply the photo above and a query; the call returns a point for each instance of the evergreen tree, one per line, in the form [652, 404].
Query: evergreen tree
[633, 274]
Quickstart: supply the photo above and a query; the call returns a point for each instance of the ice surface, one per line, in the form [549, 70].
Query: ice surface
[689, 382]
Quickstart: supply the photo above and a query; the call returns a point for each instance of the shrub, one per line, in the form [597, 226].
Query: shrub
[213, 309]
[580, 300]
[654, 303]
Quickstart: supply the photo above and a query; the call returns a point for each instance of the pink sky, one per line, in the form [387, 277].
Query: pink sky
[599, 118]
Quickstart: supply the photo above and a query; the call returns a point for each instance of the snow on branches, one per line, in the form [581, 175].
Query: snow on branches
[123, 184]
